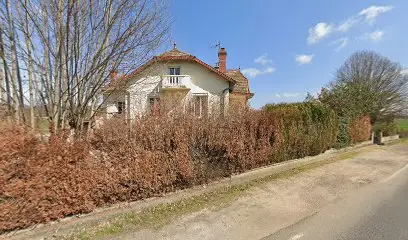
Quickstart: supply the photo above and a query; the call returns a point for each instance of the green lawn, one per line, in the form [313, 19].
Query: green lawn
[402, 123]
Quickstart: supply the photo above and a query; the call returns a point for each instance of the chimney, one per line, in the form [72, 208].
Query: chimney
[222, 58]
[113, 74]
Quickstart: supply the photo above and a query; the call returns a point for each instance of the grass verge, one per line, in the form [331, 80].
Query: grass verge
[160, 215]
[398, 141]
[402, 123]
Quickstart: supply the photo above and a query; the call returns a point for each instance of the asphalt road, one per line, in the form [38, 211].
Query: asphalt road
[377, 211]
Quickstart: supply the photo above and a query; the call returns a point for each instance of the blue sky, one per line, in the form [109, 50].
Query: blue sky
[289, 47]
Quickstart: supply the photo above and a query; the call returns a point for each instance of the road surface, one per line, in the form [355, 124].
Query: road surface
[377, 211]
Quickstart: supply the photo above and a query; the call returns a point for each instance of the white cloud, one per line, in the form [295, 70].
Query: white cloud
[404, 72]
[372, 12]
[376, 36]
[263, 60]
[269, 70]
[304, 59]
[341, 43]
[288, 95]
[322, 29]
[252, 72]
[318, 32]
[291, 95]
[347, 24]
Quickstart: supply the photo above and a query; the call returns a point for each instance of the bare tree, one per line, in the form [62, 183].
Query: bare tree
[368, 83]
[74, 44]
[4, 84]
[25, 25]
[17, 91]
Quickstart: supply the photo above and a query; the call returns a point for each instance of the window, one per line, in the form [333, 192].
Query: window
[174, 71]
[200, 105]
[154, 105]
[121, 107]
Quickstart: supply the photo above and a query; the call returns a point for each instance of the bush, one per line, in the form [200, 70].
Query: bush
[41, 181]
[343, 137]
[387, 128]
[308, 128]
[360, 129]
[403, 134]
[353, 130]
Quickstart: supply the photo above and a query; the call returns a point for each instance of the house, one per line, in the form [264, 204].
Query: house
[177, 80]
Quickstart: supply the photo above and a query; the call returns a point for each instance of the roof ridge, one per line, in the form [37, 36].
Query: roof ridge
[174, 52]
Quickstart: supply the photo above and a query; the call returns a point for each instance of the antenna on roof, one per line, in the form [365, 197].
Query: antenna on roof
[217, 45]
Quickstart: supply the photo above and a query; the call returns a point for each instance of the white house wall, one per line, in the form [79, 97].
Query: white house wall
[139, 92]
[111, 100]
[201, 81]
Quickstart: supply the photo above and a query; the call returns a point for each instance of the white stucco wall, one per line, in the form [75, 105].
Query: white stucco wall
[111, 100]
[200, 81]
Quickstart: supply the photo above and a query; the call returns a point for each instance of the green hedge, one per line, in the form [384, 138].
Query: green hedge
[387, 128]
[309, 128]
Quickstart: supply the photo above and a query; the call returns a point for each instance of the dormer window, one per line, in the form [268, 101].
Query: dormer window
[174, 70]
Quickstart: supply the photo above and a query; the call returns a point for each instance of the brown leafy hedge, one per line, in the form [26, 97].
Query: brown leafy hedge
[360, 129]
[43, 181]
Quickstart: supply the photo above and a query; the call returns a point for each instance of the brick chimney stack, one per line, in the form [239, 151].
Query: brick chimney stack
[222, 58]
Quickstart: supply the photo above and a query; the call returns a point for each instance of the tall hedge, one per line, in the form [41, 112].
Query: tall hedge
[353, 130]
[43, 181]
[309, 128]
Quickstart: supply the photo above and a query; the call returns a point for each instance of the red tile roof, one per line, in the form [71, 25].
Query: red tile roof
[242, 84]
[172, 55]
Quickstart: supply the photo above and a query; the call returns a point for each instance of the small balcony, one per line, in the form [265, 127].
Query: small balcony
[175, 81]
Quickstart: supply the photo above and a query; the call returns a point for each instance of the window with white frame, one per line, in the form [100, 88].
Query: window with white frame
[174, 78]
[200, 105]
[174, 70]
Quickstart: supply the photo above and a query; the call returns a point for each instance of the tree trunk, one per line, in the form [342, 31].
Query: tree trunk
[6, 72]
[30, 69]
[3, 79]
[58, 70]
[14, 64]
[46, 75]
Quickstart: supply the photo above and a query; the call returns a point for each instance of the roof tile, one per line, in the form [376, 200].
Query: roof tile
[242, 83]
